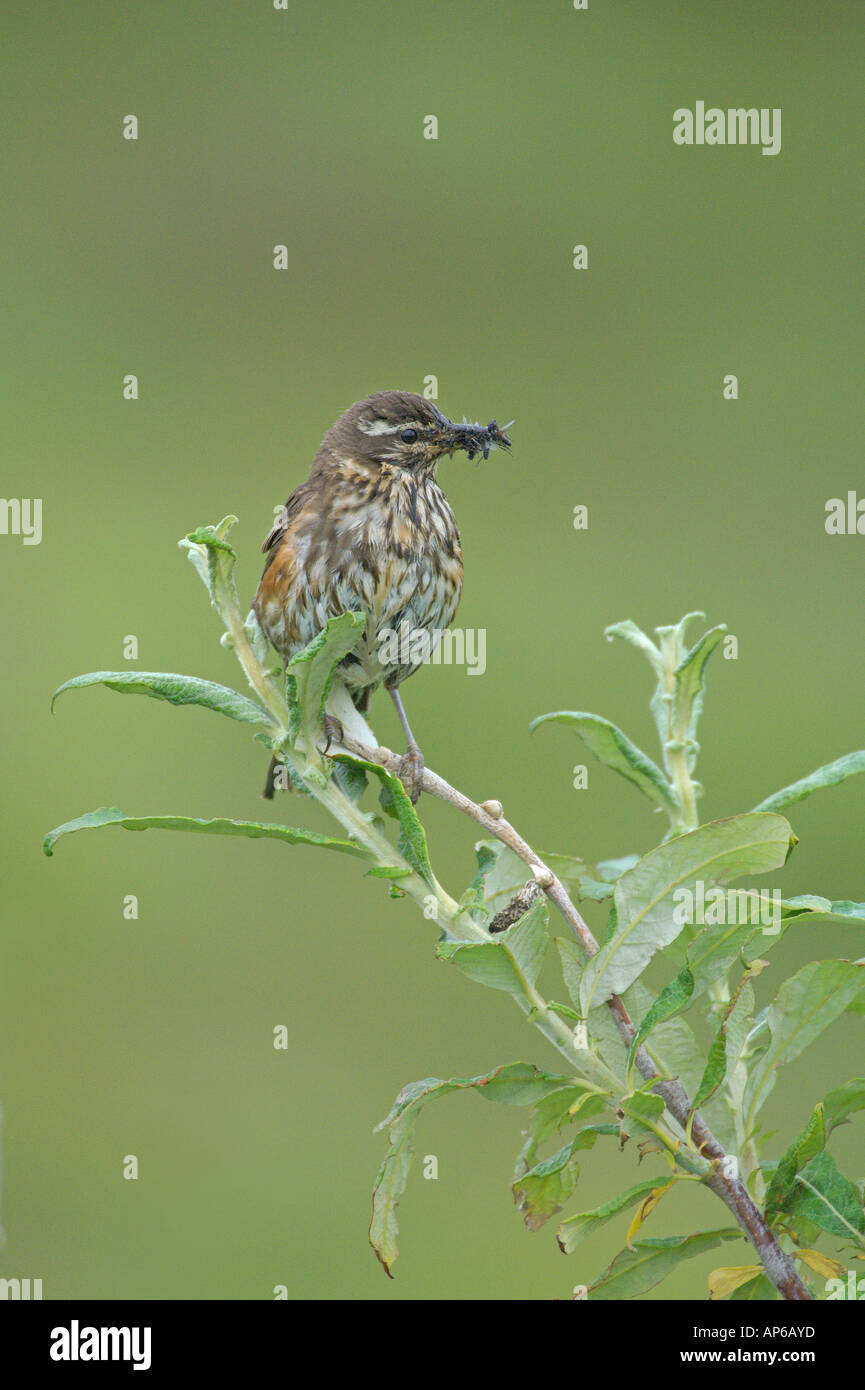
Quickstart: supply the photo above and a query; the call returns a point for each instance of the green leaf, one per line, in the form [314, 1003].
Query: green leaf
[825, 1197]
[177, 690]
[844, 1101]
[514, 1083]
[573, 962]
[804, 1005]
[642, 1111]
[351, 780]
[411, 841]
[672, 1046]
[690, 684]
[615, 749]
[634, 1272]
[827, 776]
[542, 1191]
[758, 1290]
[609, 870]
[213, 558]
[804, 1147]
[674, 1050]
[503, 873]
[576, 1228]
[554, 1110]
[512, 962]
[809, 905]
[673, 999]
[500, 875]
[309, 675]
[629, 632]
[830, 1112]
[252, 830]
[728, 1043]
[517, 1084]
[716, 853]
[716, 948]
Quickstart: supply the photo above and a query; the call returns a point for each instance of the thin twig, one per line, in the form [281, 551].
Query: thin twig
[732, 1191]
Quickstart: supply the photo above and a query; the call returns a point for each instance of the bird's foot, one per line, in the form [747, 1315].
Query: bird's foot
[410, 771]
[333, 731]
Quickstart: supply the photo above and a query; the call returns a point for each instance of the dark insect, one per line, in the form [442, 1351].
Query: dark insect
[479, 439]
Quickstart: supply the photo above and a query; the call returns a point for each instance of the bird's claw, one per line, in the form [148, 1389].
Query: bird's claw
[333, 731]
[410, 772]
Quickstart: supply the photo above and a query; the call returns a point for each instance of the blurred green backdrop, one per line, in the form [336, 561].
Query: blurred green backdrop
[408, 257]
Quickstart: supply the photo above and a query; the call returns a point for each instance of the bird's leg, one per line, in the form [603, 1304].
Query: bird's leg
[411, 764]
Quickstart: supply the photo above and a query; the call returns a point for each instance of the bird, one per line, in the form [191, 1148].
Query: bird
[371, 530]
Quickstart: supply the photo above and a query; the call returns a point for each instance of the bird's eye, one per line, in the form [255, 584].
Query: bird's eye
[408, 436]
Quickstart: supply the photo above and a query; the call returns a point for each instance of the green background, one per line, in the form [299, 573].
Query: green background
[407, 257]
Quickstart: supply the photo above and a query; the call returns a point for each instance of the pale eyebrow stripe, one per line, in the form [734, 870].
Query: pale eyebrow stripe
[378, 427]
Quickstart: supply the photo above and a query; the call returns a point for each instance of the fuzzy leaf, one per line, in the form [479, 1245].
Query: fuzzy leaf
[510, 962]
[576, 1228]
[411, 842]
[690, 683]
[573, 962]
[552, 1112]
[634, 1272]
[804, 1005]
[804, 1147]
[110, 815]
[808, 905]
[177, 690]
[844, 1101]
[309, 675]
[641, 1110]
[825, 1197]
[629, 632]
[673, 999]
[827, 776]
[542, 1191]
[517, 1084]
[716, 853]
[615, 749]
[214, 559]
[503, 873]
[672, 1046]
[727, 1045]
[830, 1112]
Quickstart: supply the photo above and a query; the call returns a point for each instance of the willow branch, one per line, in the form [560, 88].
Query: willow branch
[780, 1269]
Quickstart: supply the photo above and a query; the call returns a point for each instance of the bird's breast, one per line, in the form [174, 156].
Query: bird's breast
[387, 544]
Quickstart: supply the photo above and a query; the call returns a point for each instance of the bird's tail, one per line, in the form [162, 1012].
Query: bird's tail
[270, 784]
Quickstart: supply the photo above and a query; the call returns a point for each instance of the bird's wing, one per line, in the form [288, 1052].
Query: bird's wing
[294, 505]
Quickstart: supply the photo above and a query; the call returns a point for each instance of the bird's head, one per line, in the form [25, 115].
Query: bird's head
[407, 431]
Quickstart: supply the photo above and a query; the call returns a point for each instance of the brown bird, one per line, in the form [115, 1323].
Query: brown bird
[371, 530]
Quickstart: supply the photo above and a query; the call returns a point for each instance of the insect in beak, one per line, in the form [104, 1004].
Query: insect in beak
[479, 439]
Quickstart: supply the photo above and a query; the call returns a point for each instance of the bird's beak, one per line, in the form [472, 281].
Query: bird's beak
[474, 438]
